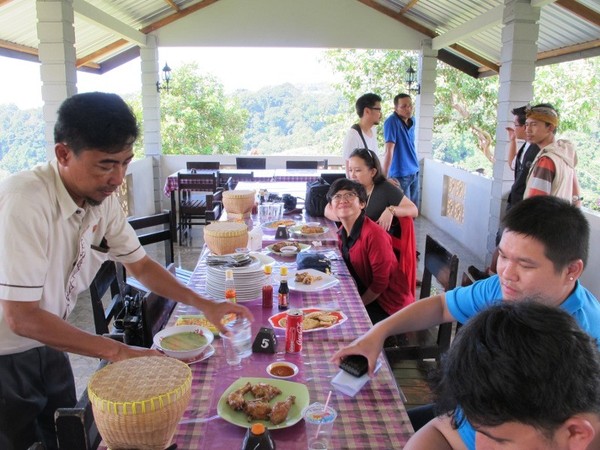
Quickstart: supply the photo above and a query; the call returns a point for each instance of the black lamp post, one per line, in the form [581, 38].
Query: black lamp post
[166, 78]
[411, 78]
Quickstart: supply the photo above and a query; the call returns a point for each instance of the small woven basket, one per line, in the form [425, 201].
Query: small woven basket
[224, 237]
[239, 203]
[138, 402]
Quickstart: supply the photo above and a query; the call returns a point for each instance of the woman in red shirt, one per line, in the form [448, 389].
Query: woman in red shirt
[367, 250]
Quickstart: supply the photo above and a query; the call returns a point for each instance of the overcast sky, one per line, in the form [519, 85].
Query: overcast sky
[237, 68]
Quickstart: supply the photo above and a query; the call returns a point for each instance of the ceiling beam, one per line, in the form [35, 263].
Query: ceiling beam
[568, 50]
[4, 2]
[541, 3]
[98, 54]
[587, 14]
[475, 57]
[488, 19]
[176, 16]
[100, 18]
[399, 17]
[18, 47]
[408, 6]
[173, 5]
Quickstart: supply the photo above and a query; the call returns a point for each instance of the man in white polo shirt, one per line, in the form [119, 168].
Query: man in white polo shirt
[53, 222]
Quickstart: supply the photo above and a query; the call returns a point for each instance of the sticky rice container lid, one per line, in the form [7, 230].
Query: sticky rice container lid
[226, 229]
[239, 194]
[138, 402]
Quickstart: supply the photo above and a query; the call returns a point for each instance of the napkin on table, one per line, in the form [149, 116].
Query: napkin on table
[349, 384]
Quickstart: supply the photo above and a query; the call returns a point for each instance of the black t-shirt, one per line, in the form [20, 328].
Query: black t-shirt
[384, 194]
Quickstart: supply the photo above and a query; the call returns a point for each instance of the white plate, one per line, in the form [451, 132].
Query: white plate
[303, 247]
[272, 226]
[298, 230]
[326, 281]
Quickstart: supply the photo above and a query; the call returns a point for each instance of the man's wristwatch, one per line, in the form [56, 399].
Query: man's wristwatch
[576, 198]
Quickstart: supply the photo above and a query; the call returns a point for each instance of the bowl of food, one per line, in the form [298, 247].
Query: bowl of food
[282, 369]
[289, 250]
[183, 342]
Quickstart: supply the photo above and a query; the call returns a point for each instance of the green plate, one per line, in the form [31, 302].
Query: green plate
[303, 247]
[240, 419]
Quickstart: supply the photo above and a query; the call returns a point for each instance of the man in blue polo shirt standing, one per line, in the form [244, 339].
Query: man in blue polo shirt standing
[400, 159]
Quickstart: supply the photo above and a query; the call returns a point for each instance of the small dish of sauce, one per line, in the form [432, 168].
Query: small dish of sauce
[282, 369]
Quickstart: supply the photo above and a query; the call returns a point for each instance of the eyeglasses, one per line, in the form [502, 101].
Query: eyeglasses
[349, 196]
[376, 109]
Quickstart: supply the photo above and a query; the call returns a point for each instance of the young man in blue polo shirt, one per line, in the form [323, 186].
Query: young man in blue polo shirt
[400, 159]
[543, 251]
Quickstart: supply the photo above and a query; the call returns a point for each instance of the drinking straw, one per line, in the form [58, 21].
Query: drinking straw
[324, 411]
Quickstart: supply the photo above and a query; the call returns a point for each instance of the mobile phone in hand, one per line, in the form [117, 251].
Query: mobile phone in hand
[356, 365]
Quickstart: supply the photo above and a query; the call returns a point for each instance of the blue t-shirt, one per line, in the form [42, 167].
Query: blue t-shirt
[464, 302]
[404, 159]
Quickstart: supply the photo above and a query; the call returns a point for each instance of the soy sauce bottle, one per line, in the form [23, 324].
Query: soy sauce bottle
[258, 438]
[284, 290]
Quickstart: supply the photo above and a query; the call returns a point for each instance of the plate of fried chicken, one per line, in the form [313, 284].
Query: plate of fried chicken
[275, 403]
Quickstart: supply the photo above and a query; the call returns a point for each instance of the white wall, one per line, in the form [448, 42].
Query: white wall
[472, 233]
[142, 185]
[289, 23]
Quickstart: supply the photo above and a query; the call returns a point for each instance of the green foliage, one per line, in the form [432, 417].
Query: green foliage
[22, 143]
[197, 118]
[288, 120]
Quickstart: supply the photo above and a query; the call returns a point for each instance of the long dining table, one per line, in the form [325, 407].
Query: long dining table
[374, 419]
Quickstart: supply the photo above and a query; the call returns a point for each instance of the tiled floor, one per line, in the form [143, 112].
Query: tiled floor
[186, 257]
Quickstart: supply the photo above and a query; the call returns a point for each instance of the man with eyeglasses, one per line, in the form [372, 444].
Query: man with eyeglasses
[553, 170]
[520, 160]
[363, 134]
[400, 159]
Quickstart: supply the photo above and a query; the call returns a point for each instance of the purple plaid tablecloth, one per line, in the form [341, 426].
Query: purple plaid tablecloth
[374, 419]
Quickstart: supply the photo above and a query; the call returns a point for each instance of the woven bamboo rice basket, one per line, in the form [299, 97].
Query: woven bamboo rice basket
[238, 203]
[138, 402]
[224, 237]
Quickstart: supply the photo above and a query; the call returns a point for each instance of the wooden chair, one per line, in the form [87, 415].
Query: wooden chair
[229, 180]
[203, 165]
[250, 163]
[75, 427]
[200, 201]
[442, 265]
[104, 282]
[314, 165]
[157, 228]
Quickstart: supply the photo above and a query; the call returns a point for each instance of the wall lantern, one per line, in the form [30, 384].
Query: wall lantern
[166, 78]
[411, 78]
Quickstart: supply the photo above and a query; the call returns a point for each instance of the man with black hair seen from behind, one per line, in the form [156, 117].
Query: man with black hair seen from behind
[525, 376]
[363, 134]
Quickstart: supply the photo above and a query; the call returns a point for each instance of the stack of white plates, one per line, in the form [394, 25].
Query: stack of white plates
[248, 280]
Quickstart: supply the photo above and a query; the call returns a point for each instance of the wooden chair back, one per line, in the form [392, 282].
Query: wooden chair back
[204, 165]
[200, 201]
[250, 163]
[151, 235]
[75, 427]
[229, 180]
[302, 165]
[441, 265]
[104, 282]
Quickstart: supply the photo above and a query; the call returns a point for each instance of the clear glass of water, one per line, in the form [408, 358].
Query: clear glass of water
[241, 336]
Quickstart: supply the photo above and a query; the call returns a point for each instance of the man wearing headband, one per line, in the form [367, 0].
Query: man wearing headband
[553, 170]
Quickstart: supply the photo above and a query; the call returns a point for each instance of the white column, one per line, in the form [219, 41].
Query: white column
[425, 102]
[58, 71]
[517, 72]
[151, 111]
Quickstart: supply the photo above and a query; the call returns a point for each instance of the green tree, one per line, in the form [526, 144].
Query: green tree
[198, 118]
[22, 143]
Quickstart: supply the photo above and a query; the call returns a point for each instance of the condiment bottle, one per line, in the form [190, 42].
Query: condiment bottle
[284, 290]
[267, 289]
[258, 438]
[230, 287]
